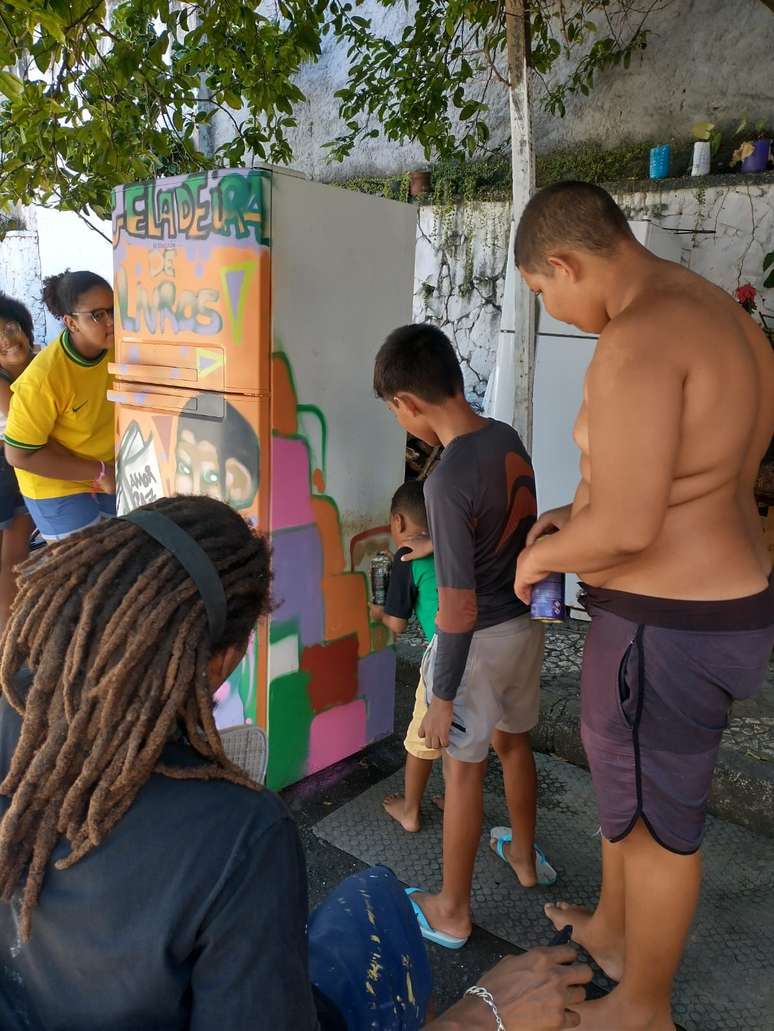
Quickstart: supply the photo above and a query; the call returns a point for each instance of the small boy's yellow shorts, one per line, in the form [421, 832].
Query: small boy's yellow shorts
[414, 744]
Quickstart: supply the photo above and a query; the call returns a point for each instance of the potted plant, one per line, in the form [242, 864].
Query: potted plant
[705, 147]
[755, 149]
[419, 183]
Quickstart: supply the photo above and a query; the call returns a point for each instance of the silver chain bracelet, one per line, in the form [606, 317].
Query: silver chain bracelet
[486, 997]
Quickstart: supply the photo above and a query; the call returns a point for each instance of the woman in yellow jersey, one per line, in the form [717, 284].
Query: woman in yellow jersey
[59, 435]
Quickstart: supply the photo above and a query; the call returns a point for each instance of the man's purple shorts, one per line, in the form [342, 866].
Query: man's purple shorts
[659, 677]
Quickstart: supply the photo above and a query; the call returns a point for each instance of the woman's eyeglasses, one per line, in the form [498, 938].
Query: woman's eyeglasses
[99, 315]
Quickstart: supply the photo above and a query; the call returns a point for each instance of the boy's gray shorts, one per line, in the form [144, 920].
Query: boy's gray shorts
[500, 688]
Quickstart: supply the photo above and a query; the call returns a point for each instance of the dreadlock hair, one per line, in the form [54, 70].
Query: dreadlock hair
[117, 639]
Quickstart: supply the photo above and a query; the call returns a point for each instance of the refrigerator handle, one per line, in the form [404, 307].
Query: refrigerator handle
[209, 405]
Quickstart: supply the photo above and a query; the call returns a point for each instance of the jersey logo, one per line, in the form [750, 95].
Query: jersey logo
[76, 410]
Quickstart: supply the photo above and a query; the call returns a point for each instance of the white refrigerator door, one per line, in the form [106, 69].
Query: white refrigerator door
[342, 279]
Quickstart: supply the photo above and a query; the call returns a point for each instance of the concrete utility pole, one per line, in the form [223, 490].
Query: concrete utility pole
[509, 393]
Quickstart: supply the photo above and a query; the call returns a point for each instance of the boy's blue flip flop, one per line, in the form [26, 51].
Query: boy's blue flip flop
[447, 941]
[546, 875]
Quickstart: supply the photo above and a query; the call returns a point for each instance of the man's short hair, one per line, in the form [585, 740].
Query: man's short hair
[418, 359]
[569, 215]
[409, 500]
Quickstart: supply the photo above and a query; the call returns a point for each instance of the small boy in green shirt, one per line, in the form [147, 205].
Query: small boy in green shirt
[412, 589]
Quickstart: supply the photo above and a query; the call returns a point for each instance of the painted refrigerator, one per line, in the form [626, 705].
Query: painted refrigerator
[250, 305]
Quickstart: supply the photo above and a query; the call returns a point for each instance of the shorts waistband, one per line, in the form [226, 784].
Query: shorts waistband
[754, 612]
[506, 628]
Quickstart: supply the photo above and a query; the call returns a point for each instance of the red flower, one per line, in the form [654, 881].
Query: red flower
[745, 294]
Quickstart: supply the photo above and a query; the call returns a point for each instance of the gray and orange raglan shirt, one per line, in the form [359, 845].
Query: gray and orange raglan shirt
[481, 504]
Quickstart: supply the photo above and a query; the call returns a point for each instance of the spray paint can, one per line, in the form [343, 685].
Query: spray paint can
[381, 566]
[548, 599]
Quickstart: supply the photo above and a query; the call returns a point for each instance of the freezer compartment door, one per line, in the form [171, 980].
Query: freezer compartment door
[186, 442]
[192, 269]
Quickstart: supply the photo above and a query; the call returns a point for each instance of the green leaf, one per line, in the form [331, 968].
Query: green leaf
[11, 85]
[53, 25]
[768, 260]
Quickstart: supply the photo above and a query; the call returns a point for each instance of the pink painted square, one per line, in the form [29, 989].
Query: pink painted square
[335, 734]
[291, 503]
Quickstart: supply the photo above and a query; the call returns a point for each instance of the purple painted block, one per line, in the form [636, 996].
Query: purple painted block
[376, 685]
[297, 564]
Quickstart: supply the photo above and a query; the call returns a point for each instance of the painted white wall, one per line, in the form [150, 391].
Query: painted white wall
[51, 242]
[672, 85]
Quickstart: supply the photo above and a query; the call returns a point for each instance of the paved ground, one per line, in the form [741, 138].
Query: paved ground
[734, 927]
[744, 790]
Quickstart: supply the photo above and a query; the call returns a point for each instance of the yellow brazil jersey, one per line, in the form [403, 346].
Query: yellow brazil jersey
[61, 396]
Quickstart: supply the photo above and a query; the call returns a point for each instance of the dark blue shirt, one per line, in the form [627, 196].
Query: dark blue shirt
[190, 916]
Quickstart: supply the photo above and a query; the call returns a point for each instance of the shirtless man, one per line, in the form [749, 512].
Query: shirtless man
[678, 411]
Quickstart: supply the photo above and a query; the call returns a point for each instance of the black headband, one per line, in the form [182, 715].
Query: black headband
[193, 558]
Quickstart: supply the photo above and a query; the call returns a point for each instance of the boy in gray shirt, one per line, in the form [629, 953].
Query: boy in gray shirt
[482, 669]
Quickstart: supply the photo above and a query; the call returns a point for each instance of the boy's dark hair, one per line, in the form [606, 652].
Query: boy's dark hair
[117, 638]
[62, 292]
[409, 500]
[418, 359]
[14, 311]
[574, 215]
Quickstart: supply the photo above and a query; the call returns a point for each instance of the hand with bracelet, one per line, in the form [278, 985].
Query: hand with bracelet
[531, 992]
[105, 480]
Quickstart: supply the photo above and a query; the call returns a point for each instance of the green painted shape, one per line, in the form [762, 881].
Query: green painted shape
[290, 718]
[305, 412]
[243, 679]
[279, 630]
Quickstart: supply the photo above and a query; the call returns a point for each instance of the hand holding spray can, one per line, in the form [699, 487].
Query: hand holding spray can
[547, 605]
[381, 566]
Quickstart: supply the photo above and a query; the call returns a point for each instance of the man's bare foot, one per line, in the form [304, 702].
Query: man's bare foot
[438, 801]
[606, 951]
[395, 805]
[523, 868]
[441, 917]
[619, 1014]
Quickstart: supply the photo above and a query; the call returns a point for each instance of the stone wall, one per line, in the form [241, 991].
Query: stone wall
[724, 231]
[668, 88]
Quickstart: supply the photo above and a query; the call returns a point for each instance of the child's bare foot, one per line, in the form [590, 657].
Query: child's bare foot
[616, 1012]
[395, 805]
[607, 951]
[438, 801]
[524, 868]
[441, 918]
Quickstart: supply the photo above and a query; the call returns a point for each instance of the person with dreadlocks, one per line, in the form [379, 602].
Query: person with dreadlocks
[147, 884]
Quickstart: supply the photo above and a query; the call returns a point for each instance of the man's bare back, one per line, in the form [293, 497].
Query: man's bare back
[716, 391]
